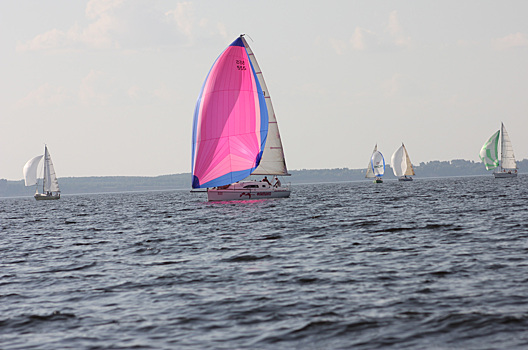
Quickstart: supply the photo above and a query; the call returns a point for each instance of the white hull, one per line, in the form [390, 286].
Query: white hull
[237, 195]
[250, 190]
[506, 175]
[43, 197]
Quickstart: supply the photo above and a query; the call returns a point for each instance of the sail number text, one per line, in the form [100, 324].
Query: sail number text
[241, 64]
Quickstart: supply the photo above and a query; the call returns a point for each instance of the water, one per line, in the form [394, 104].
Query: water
[436, 264]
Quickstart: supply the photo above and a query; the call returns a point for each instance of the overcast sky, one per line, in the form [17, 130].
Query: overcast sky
[110, 86]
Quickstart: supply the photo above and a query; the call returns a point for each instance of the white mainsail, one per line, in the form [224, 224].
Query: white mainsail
[370, 173]
[50, 178]
[507, 156]
[272, 161]
[30, 170]
[401, 163]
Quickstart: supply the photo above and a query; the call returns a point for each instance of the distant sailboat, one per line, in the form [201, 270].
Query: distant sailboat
[50, 185]
[504, 164]
[235, 131]
[376, 166]
[401, 164]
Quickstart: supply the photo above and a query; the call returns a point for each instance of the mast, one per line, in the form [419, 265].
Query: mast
[46, 169]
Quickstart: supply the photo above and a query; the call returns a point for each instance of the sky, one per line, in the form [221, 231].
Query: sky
[111, 85]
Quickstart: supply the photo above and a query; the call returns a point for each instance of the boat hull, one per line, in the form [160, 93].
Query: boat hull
[247, 190]
[405, 179]
[239, 194]
[504, 175]
[46, 197]
[378, 181]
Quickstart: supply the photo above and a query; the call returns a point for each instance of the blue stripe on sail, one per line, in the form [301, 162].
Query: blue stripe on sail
[195, 127]
[238, 42]
[374, 167]
[264, 116]
[224, 179]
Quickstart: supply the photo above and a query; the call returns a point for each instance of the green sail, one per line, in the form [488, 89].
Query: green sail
[490, 152]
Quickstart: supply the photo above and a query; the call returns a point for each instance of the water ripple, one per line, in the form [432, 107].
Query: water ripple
[439, 263]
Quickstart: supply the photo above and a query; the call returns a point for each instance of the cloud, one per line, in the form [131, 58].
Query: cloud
[191, 26]
[358, 40]
[166, 94]
[393, 36]
[94, 88]
[97, 34]
[222, 30]
[510, 41]
[339, 46]
[183, 16]
[99, 8]
[44, 96]
[392, 86]
[362, 38]
[396, 31]
[128, 25]
[51, 39]
[134, 92]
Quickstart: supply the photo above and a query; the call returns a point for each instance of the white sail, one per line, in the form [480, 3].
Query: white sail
[50, 178]
[489, 154]
[272, 161]
[398, 162]
[401, 163]
[378, 164]
[370, 173]
[30, 171]
[410, 169]
[507, 156]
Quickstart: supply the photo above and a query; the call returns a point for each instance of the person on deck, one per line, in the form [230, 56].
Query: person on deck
[265, 179]
[277, 182]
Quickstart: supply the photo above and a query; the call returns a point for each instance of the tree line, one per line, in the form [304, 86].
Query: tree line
[105, 184]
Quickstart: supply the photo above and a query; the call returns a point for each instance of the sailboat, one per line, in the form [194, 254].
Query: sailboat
[50, 185]
[235, 131]
[401, 164]
[376, 166]
[489, 154]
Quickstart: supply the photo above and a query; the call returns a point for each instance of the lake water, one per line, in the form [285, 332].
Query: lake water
[429, 264]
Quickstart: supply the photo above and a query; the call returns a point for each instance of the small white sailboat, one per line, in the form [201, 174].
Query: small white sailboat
[503, 163]
[376, 166]
[50, 185]
[235, 131]
[401, 164]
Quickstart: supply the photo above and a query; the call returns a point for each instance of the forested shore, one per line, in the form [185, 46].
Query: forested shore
[106, 184]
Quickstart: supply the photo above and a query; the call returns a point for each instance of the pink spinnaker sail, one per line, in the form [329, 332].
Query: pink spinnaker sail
[230, 121]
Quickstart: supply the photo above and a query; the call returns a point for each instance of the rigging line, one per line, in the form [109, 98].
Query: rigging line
[248, 37]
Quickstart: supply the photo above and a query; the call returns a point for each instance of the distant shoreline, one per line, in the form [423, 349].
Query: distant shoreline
[123, 184]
